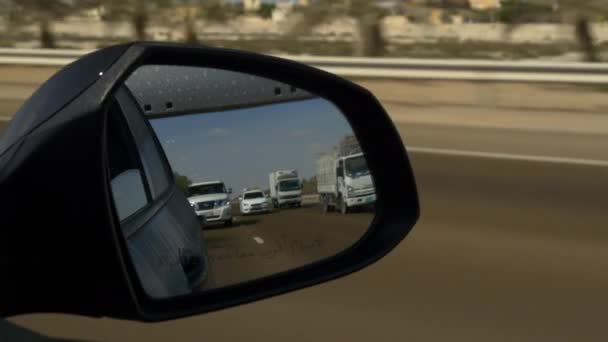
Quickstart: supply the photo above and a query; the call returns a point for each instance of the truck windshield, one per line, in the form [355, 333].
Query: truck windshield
[289, 185]
[206, 189]
[252, 195]
[356, 167]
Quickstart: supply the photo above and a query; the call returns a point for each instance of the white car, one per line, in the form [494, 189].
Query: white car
[211, 202]
[254, 201]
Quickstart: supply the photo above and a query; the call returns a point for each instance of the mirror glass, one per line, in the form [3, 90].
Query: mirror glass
[220, 177]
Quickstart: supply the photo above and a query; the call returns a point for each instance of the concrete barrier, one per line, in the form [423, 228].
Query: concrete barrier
[388, 68]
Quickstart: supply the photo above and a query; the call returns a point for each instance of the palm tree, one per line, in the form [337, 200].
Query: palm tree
[368, 17]
[137, 12]
[583, 13]
[182, 182]
[579, 13]
[43, 13]
[217, 11]
[4, 14]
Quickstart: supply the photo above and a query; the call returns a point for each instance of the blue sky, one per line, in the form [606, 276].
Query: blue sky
[242, 146]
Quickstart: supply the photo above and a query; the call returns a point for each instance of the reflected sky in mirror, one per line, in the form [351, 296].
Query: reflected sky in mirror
[242, 146]
[271, 180]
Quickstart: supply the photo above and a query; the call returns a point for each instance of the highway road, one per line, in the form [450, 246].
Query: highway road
[265, 244]
[507, 249]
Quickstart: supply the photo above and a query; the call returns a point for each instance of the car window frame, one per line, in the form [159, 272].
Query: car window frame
[126, 95]
[128, 139]
[133, 223]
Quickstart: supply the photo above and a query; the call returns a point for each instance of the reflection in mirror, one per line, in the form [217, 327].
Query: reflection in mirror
[180, 139]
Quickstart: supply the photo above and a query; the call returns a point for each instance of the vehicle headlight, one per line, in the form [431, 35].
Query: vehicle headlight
[194, 206]
[350, 189]
[221, 203]
[245, 204]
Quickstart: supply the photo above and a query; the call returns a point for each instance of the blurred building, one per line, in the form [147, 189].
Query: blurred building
[457, 3]
[483, 5]
[252, 5]
[436, 16]
[473, 4]
[416, 2]
[96, 13]
[283, 8]
[185, 11]
[437, 3]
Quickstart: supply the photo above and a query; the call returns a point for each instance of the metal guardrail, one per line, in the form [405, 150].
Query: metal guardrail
[387, 68]
[39, 57]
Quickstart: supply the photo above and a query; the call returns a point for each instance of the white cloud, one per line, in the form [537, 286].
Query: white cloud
[218, 132]
[300, 133]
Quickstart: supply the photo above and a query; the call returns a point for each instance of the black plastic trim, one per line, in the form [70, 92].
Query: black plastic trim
[84, 255]
[396, 205]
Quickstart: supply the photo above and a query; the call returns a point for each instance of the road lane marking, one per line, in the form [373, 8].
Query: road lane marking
[466, 75]
[258, 240]
[509, 156]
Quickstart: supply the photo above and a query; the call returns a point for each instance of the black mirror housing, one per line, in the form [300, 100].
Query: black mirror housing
[74, 241]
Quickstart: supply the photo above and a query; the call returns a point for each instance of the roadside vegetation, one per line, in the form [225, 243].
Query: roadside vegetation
[188, 17]
[183, 182]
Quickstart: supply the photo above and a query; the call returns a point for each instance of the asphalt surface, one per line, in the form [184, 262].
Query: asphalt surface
[506, 140]
[265, 244]
[506, 249]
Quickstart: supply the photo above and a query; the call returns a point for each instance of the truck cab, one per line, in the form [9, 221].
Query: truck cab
[344, 182]
[211, 202]
[355, 181]
[285, 188]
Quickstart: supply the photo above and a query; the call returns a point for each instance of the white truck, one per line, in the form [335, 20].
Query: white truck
[285, 188]
[343, 179]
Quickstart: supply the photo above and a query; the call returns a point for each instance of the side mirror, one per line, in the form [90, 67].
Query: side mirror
[202, 113]
[240, 198]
